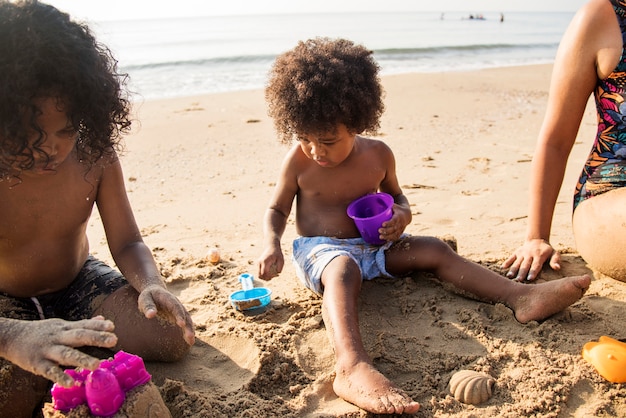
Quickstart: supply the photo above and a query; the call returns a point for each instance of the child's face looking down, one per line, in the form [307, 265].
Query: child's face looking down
[59, 137]
[329, 149]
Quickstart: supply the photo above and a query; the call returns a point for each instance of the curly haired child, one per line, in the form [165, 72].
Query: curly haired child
[63, 109]
[324, 93]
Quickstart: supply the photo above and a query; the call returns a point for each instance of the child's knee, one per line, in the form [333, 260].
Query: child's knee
[437, 251]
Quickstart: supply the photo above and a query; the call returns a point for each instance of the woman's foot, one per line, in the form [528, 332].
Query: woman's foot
[365, 387]
[535, 302]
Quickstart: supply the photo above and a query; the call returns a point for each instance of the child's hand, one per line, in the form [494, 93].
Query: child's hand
[157, 299]
[271, 263]
[42, 347]
[394, 227]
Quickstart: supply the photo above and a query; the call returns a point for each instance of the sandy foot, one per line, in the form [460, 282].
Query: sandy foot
[542, 300]
[365, 387]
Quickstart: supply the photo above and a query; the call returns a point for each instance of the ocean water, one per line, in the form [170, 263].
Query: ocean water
[198, 55]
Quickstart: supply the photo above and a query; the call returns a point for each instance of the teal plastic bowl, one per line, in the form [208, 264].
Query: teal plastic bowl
[244, 300]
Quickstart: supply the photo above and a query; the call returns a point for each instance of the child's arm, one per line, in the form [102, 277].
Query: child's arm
[394, 228]
[41, 347]
[272, 261]
[132, 256]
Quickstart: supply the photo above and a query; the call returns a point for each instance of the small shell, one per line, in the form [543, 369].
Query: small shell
[471, 387]
[213, 255]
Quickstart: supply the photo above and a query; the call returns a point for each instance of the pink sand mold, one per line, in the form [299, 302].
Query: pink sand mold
[369, 212]
[104, 394]
[65, 399]
[104, 389]
[129, 370]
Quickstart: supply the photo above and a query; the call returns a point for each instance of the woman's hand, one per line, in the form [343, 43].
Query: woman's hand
[527, 261]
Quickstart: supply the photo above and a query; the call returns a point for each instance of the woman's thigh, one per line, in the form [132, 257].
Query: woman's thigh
[600, 231]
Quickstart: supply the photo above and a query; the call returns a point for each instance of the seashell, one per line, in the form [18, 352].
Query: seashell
[469, 386]
[213, 255]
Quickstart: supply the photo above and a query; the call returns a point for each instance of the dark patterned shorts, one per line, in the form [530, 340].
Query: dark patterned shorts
[94, 283]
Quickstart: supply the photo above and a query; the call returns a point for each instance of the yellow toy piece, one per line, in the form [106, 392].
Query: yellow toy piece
[608, 356]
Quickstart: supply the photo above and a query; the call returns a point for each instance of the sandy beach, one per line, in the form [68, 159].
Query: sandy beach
[199, 173]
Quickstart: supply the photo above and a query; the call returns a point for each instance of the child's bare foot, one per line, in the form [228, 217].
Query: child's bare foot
[541, 300]
[365, 387]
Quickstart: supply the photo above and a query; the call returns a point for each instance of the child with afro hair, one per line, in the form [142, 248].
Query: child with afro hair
[324, 94]
[63, 108]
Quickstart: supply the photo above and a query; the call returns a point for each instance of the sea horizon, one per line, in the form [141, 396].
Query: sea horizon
[209, 54]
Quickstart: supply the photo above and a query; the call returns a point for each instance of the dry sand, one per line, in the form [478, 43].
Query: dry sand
[199, 173]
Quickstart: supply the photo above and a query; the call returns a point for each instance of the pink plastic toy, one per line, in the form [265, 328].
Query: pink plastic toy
[104, 394]
[129, 370]
[64, 398]
[104, 389]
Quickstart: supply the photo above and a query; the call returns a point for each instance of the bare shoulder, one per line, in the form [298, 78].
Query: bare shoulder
[593, 16]
[295, 158]
[594, 33]
[372, 146]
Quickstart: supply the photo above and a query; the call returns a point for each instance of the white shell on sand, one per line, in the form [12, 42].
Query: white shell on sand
[471, 387]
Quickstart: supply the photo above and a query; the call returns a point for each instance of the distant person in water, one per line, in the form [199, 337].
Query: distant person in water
[324, 94]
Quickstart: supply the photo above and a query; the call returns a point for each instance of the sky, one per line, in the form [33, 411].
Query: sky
[96, 10]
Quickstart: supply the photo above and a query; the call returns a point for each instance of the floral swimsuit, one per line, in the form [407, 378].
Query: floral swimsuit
[605, 168]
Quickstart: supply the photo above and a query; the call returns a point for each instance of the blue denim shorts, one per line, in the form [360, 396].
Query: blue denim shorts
[311, 255]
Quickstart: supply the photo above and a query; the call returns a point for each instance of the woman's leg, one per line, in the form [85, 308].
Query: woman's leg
[600, 232]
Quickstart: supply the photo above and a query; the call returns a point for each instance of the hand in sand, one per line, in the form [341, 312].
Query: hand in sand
[155, 300]
[271, 263]
[527, 261]
[42, 347]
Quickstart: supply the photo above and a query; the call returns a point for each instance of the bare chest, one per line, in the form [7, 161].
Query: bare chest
[341, 184]
[54, 205]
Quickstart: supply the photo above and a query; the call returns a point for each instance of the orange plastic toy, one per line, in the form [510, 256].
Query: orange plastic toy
[608, 356]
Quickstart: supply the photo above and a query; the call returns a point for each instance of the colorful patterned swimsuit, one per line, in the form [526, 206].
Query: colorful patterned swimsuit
[605, 168]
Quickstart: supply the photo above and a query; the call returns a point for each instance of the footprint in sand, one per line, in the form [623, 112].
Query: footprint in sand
[479, 164]
[314, 355]
[220, 363]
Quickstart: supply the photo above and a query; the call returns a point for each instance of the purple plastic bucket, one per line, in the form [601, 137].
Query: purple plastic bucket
[369, 212]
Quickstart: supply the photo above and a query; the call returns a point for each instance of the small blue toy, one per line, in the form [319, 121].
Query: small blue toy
[250, 297]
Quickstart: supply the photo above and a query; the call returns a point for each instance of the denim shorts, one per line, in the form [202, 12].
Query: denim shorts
[311, 255]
